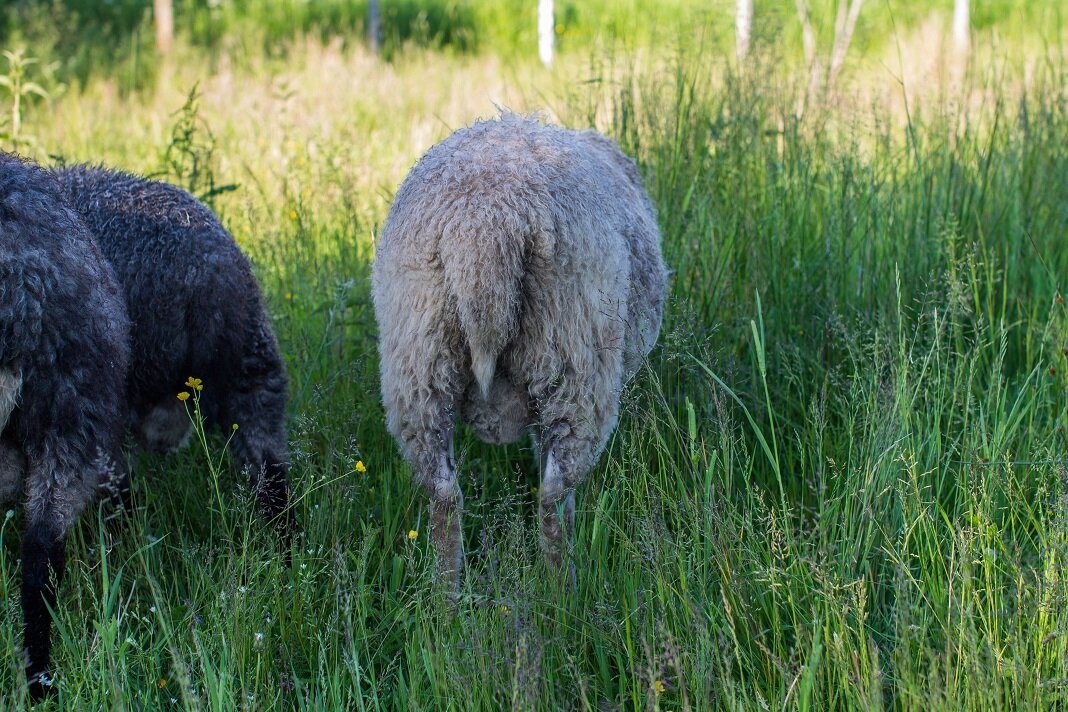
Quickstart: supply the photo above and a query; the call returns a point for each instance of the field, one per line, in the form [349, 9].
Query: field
[841, 482]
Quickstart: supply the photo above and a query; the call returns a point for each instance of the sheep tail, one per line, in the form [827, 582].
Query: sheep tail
[484, 262]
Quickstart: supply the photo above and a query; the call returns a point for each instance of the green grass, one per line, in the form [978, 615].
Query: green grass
[87, 38]
[840, 482]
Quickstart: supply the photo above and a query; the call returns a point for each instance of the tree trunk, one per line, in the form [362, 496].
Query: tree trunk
[163, 10]
[843, 35]
[374, 27]
[845, 22]
[961, 26]
[545, 32]
[743, 29]
[808, 42]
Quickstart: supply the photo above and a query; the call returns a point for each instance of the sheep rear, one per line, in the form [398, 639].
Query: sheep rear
[483, 256]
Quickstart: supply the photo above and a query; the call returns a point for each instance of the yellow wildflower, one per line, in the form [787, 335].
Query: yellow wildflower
[360, 467]
[289, 296]
[184, 395]
[161, 683]
[413, 534]
[658, 687]
[292, 214]
[195, 383]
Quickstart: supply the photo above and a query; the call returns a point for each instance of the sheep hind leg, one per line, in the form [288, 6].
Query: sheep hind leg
[564, 454]
[59, 485]
[43, 564]
[426, 436]
[424, 428]
[446, 514]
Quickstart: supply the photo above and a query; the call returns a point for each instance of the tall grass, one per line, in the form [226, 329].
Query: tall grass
[86, 38]
[839, 482]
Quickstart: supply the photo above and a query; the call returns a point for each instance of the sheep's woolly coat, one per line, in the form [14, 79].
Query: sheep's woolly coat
[196, 311]
[518, 281]
[63, 345]
[63, 360]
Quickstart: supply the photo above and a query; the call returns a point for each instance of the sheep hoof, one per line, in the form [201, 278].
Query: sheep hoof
[40, 686]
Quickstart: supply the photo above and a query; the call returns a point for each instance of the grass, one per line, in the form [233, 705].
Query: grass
[840, 482]
[87, 38]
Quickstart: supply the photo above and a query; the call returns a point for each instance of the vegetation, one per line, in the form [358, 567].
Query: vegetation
[116, 38]
[842, 481]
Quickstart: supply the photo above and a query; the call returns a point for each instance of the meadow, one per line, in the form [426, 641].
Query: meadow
[841, 482]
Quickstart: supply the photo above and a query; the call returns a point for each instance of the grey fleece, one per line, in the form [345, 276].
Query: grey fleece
[518, 282]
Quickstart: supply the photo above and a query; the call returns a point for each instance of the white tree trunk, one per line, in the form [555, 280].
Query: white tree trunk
[843, 35]
[845, 22]
[546, 27]
[961, 26]
[163, 11]
[808, 42]
[743, 29]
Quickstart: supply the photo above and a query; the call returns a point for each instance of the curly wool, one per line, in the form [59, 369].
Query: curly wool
[518, 281]
[196, 310]
[63, 345]
[64, 356]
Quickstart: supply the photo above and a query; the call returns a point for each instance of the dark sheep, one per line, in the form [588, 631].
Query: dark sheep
[64, 353]
[196, 311]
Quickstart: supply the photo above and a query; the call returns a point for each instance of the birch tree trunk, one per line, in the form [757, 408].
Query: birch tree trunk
[545, 32]
[808, 42]
[743, 29]
[845, 22]
[961, 26]
[163, 13]
[843, 35]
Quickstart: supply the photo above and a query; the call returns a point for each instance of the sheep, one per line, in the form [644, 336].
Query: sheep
[64, 355]
[196, 310]
[518, 283]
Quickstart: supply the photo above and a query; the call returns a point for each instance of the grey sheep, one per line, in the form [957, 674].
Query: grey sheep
[64, 355]
[196, 311]
[518, 283]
